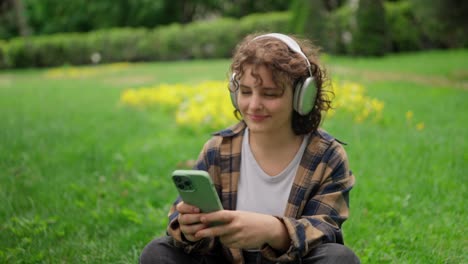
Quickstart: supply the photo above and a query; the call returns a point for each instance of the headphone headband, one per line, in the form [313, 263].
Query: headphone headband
[304, 92]
[290, 42]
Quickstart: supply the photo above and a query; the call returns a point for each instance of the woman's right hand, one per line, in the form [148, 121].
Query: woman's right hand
[189, 221]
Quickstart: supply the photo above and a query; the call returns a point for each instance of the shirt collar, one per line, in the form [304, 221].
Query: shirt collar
[239, 127]
[232, 130]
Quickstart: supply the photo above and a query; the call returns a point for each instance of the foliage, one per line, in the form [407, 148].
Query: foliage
[208, 40]
[240, 8]
[371, 37]
[309, 19]
[270, 22]
[8, 21]
[55, 16]
[3, 63]
[403, 29]
[442, 22]
[408, 26]
[368, 28]
[203, 39]
[336, 26]
[342, 26]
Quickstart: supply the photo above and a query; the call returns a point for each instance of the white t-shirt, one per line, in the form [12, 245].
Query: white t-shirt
[260, 192]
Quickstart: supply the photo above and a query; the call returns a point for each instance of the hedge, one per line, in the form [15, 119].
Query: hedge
[404, 33]
[3, 46]
[198, 40]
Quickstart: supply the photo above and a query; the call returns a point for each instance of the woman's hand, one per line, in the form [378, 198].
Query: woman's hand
[189, 221]
[245, 230]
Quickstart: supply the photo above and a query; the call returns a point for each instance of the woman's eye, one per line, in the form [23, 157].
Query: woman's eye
[246, 92]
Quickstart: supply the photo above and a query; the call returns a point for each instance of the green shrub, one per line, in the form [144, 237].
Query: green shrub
[404, 33]
[371, 37]
[268, 22]
[3, 64]
[18, 53]
[310, 19]
[171, 43]
[443, 22]
[49, 51]
[46, 51]
[341, 27]
[199, 40]
[119, 44]
[210, 39]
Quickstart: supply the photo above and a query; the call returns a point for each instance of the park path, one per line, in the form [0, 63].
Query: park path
[439, 81]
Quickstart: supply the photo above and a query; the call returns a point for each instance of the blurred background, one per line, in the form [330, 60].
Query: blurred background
[54, 32]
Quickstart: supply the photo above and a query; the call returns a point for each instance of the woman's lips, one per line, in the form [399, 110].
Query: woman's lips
[258, 118]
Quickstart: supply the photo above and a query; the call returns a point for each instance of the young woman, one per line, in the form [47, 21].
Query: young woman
[283, 182]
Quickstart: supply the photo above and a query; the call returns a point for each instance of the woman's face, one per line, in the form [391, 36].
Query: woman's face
[265, 106]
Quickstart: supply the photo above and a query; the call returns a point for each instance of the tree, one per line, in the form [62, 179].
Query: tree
[443, 22]
[240, 8]
[55, 16]
[309, 19]
[370, 38]
[13, 20]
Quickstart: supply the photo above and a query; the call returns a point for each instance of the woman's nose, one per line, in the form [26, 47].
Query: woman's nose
[256, 102]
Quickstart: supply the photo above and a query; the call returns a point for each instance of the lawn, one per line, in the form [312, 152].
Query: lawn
[84, 179]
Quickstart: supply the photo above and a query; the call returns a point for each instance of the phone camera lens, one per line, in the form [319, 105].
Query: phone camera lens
[188, 185]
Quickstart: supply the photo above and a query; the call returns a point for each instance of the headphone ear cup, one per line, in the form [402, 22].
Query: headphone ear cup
[304, 96]
[233, 88]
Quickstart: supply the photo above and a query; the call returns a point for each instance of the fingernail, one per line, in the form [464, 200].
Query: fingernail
[196, 210]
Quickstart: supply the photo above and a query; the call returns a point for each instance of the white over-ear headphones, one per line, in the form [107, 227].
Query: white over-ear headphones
[304, 92]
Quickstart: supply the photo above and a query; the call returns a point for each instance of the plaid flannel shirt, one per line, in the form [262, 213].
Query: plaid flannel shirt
[318, 202]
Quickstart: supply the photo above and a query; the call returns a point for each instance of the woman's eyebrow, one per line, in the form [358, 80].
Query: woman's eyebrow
[262, 87]
[271, 88]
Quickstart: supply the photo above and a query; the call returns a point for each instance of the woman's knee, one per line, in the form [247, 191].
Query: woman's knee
[163, 250]
[332, 253]
[157, 251]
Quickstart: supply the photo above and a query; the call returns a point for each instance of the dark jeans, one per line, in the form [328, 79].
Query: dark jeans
[162, 250]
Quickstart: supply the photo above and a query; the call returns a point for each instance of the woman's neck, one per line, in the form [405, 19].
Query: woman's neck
[273, 152]
[275, 141]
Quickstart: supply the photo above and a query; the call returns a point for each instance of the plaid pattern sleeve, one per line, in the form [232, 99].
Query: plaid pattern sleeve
[319, 200]
[206, 161]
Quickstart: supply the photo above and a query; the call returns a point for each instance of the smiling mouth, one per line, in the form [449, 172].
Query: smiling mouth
[258, 118]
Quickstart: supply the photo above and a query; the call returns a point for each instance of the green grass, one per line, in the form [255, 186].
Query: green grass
[448, 63]
[85, 180]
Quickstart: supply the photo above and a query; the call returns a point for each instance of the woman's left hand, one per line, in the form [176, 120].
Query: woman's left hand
[245, 230]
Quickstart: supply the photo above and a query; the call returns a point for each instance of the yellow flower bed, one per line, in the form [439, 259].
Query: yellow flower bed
[83, 71]
[351, 97]
[207, 104]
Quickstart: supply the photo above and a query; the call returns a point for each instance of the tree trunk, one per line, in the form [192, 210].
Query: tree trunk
[21, 22]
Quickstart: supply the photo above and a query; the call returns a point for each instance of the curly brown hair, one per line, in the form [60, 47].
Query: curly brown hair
[288, 68]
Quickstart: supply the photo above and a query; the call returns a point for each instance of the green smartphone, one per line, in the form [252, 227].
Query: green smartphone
[196, 188]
